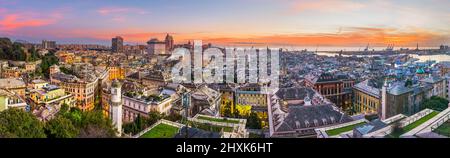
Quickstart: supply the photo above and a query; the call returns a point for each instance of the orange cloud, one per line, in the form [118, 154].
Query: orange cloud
[115, 10]
[349, 37]
[326, 5]
[15, 21]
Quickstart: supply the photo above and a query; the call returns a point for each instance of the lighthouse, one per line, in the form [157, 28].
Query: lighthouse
[116, 106]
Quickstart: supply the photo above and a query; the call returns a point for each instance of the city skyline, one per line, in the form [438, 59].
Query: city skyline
[232, 23]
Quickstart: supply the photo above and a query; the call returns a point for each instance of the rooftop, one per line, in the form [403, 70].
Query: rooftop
[148, 99]
[50, 88]
[366, 88]
[196, 133]
[38, 81]
[432, 79]
[299, 117]
[370, 127]
[295, 93]
[11, 83]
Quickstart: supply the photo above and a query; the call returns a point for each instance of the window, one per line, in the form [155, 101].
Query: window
[297, 125]
[324, 121]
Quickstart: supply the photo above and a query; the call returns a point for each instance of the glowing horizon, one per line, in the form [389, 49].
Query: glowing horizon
[232, 22]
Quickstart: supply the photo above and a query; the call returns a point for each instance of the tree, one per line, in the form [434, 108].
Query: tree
[91, 124]
[75, 115]
[67, 71]
[173, 116]
[18, 123]
[140, 123]
[435, 103]
[96, 131]
[64, 109]
[60, 127]
[6, 48]
[227, 109]
[130, 128]
[17, 52]
[47, 61]
[34, 55]
[253, 121]
[153, 117]
[96, 120]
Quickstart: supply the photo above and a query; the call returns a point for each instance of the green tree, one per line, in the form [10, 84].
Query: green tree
[47, 61]
[64, 109]
[140, 123]
[227, 110]
[75, 115]
[60, 127]
[153, 117]
[94, 124]
[67, 71]
[130, 128]
[435, 103]
[6, 48]
[253, 121]
[34, 54]
[18, 52]
[175, 117]
[18, 123]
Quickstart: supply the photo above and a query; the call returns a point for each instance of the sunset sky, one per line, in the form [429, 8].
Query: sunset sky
[231, 22]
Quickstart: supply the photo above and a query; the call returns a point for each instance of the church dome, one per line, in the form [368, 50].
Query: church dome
[420, 71]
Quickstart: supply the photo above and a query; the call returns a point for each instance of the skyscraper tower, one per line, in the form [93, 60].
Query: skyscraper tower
[48, 44]
[169, 43]
[117, 44]
[116, 106]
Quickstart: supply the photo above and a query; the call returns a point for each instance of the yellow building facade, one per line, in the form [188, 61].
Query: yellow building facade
[51, 95]
[116, 73]
[365, 103]
[257, 101]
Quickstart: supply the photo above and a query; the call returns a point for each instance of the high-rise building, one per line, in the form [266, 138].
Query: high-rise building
[116, 106]
[48, 44]
[169, 43]
[117, 44]
[156, 47]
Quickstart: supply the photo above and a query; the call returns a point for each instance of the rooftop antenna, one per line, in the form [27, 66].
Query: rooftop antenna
[317, 46]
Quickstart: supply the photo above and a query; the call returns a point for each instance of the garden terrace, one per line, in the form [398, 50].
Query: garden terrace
[161, 130]
[226, 120]
[443, 129]
[210, 127]
[340, 130]
[412, 125]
